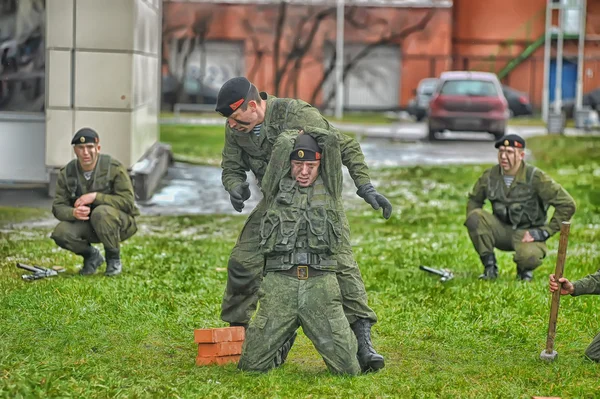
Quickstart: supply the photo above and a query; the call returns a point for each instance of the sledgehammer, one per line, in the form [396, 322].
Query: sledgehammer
[549, 354]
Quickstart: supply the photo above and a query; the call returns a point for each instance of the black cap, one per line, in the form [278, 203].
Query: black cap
[85, 136]
[511, 140]
[306, 149]
[232, 95]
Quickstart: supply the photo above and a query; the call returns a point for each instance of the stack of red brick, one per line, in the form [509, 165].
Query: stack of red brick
[219, 345]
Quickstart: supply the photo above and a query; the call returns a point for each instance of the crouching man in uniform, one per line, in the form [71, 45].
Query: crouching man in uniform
[520, 195]
[95, 204]
[300, 233]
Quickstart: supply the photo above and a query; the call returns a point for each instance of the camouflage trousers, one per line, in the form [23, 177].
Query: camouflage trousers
[488, 232]
[593, 351]
[285, 303]
[106, 225]
[245, 273]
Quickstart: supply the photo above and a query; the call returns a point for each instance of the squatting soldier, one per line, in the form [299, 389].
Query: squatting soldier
[520, 195]
[254, 120]
[95, 204]
[587, 285]
[300, 232]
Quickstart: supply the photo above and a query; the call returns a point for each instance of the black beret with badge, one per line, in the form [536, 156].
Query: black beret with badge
[85, 136]
[306, 149]
[511, 140]
[232, 95]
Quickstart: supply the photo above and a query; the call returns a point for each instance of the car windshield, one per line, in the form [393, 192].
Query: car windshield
[427, 87]
[480, 88]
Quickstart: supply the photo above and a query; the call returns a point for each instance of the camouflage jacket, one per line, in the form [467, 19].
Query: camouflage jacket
[109, 179]
[245, 151]
[525, 203]
[588, 285]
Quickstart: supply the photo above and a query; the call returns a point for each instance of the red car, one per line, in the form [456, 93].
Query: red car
[468, 101]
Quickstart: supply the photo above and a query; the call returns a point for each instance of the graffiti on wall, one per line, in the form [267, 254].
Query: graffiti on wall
[22, 55]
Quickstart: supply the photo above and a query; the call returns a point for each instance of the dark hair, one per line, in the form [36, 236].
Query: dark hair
[253, 95]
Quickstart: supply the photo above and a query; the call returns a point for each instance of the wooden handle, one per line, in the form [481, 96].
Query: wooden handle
[558, 273]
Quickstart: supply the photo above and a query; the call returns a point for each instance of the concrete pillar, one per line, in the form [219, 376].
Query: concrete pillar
[103, 72]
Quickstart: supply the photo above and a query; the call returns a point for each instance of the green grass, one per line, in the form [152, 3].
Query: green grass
[132, 336]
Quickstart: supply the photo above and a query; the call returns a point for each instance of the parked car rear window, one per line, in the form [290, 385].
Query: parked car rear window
[427, 87]
[481, 88]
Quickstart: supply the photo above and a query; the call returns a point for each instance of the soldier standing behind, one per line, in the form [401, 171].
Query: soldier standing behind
[300, 234]
[520, 195]
[94, 202]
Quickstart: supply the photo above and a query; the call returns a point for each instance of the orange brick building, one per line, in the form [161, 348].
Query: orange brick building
[288, 49]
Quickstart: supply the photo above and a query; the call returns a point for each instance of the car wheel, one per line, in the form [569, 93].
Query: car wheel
[498, 135]
[431, 134]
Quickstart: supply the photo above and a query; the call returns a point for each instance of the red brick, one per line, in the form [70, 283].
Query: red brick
[213, 335]
[220, 349]
[220, 360]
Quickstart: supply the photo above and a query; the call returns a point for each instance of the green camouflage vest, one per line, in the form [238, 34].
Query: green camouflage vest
[302, 220]
[520, 206]
[100, 178]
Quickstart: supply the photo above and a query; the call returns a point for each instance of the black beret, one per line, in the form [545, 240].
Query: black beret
[306, 149]
[511, 140]
[84, 136]
[232, 94]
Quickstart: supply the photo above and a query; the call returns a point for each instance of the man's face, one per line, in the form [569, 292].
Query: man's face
[244, 121]
[87, 154]
[305, 172]
[510, 159]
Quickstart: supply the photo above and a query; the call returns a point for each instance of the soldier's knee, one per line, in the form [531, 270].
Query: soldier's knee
[103, 213]
[474, 218]
[63, 234]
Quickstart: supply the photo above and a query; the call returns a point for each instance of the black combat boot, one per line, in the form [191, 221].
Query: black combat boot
[113, 262]
[283, 352]
[92, 259]
[368, 358]
[525, 275]
[490, 271]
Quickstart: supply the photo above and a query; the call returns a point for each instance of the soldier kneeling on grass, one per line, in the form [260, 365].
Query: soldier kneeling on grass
[301, 232]
[520, 195]
[94, 202]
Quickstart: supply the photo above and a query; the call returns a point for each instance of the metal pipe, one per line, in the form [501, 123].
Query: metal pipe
[339, 61]
[580, 52]
[559, 62]
[547, 48]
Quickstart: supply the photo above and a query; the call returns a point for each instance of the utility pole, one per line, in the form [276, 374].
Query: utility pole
[580, 113]
[339, 61]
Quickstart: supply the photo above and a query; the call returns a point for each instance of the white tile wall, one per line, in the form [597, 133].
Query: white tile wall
[114, 129]
[105, 24]
[59, 23]
[145, 130]
[103, 80]
[59, 132]
[58, 69]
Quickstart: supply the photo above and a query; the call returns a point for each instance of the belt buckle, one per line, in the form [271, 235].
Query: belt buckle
[302, 272]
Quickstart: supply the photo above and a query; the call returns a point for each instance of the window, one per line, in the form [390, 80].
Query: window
[480, 88]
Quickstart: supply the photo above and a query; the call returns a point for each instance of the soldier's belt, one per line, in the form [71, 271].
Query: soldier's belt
[303, 272]
[300, 258]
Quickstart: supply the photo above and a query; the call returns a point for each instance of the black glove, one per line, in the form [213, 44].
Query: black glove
[376, 200]
[539, 234]
[238, 195]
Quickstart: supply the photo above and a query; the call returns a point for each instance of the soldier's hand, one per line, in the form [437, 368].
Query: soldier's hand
[81, 212]
[567, 287]
[535, 235]
[238, 195]
[376, 200]
[85, 199]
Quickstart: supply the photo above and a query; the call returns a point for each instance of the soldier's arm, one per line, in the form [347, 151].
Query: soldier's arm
[61, 207]
[234, 168]
[477, 195]
[123, 197]
[587, 285]
[554, 194]
[352, 155]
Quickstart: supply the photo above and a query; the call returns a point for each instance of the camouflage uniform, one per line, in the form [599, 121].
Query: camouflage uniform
[245, 151]
[299, 233]
[112, 213]
[590, 285]
[516, 209]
